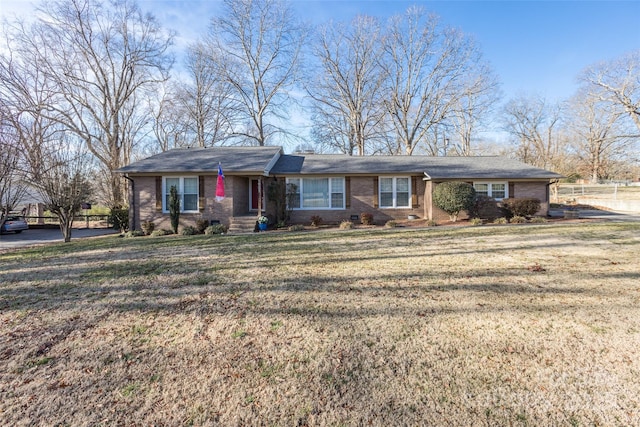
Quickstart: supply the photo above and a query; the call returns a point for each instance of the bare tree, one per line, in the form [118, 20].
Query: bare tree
[618, 82]
[347, 90]
[536, 127]
[13, 185]
[169, 120]
[428, 70]
[62, 180]
[601, 135]
[475, 103]
[204, 105]
[97, 56]
[259, 44]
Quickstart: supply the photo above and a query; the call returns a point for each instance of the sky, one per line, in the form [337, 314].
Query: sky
[535, 47]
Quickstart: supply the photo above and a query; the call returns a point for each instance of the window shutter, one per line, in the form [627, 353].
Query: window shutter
[159, 194]
[347, 191]
[511, 190]
[375, 191]
[414, 192]
[201, 198]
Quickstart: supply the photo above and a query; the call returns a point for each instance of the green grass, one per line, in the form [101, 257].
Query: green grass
[492, 325]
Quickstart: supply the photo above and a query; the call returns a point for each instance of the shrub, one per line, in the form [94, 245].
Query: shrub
[485, 207]
[147, 227]
[517, 219]
[501, 220]
[201, 225]
[174, 208]
[522, 207]
[296, 227]
[316, 221]
[346, 225]
[431, 223]
[158, 233]
[538, 220]
[133, 233]
[475, 221]
[215, 229]
[188, 231]
[366, 218]
[391, 224]
[454, 197]
[119, 217]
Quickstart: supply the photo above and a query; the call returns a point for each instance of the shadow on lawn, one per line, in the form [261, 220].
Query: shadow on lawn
[209, 293]
[163, 273]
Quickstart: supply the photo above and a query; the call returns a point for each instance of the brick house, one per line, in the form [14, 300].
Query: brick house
[334, 187]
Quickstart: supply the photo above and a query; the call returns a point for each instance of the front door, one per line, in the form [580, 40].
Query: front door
[254, 197]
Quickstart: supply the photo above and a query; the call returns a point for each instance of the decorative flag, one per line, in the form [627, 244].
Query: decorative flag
[220, 184]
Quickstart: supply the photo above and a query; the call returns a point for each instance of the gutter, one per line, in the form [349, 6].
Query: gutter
[132, 201]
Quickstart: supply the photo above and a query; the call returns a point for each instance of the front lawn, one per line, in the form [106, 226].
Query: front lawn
[510, 325]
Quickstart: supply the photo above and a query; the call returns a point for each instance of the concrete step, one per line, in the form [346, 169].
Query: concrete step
[242, 224]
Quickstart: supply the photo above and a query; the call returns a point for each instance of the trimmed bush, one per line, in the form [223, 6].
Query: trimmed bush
[485, 207]
[500, 221]
[215, 229]
[174, 208]
[366, 218]
[147, 227]
[430, 223]
[346, 225]
[391, 224]
[454, 197]
[189, 231]
[119, 217]
[522, 207]
[517, 219]
[296, 227]
[158, 233]
[475, 221]
[316, 221]
[201, 225]
[134, 233]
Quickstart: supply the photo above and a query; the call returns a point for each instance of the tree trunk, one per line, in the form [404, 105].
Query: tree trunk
[66, 224]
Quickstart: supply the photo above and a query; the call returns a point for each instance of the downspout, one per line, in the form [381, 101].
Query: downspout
[428, 207]
[132, 204]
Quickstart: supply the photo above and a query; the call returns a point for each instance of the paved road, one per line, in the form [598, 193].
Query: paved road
[38, 236]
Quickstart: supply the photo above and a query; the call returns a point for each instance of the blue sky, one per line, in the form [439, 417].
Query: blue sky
[535, 47]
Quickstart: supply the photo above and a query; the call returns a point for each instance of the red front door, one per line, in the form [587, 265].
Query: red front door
[254, 195]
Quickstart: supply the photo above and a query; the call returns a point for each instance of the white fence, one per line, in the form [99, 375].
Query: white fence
[618, 197]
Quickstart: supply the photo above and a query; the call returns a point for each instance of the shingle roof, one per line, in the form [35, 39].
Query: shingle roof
[249, 160]
[486, 167]
[270, 160]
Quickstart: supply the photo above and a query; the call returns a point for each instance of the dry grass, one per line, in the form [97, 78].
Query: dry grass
[513, 325]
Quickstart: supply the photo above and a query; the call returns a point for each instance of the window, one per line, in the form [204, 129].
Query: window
[497, 190]
[316, 193]
[187, 192]
[394, 192]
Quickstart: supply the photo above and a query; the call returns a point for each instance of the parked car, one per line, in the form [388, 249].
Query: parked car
[14, 223]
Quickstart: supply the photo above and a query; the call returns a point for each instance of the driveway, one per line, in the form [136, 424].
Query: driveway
[39, 236]
[601, 214]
